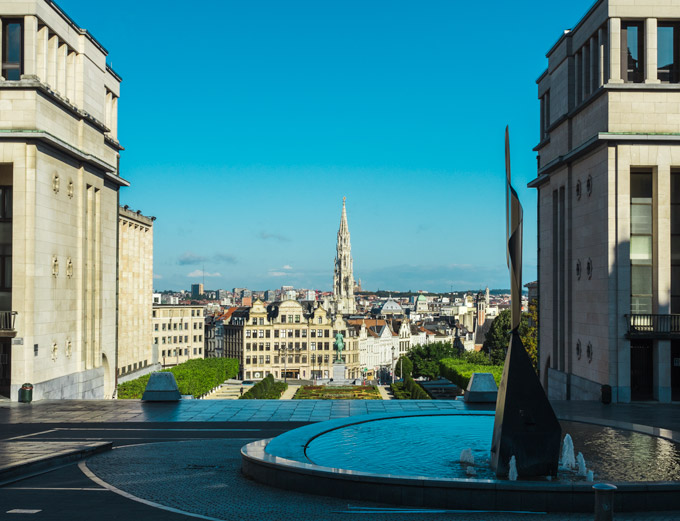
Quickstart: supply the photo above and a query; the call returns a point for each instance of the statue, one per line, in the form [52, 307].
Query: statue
[339, 345]
[525, 425]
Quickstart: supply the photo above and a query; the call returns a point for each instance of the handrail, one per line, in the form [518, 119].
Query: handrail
[7, 319]
[653, 324]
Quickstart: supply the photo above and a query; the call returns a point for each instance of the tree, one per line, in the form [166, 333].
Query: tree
[498, 337]
[529, 335]
[404, 367]
[426, 358]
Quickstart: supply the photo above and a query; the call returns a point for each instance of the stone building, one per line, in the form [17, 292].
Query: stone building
[609, 205]
[137, 354]
[289, 339]
[59, 184]
[178, 333]
[343, 275]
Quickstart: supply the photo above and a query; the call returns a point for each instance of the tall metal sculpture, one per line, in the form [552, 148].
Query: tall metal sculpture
[525, 425]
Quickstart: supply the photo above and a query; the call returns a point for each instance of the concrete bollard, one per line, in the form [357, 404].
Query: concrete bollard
[604, 501]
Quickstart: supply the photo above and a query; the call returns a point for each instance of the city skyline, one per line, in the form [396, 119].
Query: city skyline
[288, 111]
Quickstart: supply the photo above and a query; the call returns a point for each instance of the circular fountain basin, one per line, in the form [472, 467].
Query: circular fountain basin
[413, 459]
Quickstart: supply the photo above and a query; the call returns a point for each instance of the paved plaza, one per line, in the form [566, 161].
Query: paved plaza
[182, 460]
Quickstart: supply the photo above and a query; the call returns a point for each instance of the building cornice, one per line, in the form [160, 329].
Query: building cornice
[53, 141]
[600, 139]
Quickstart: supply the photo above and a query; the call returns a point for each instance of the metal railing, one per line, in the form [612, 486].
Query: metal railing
[7, 319]
[653, 326]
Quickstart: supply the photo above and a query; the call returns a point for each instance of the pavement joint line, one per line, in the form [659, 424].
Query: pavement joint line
[85, 470]
[60, 488]
[29, 435]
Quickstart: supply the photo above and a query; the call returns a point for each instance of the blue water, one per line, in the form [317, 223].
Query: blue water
[431, 445]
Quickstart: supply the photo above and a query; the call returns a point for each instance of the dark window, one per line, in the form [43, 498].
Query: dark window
[12, 49]
[632, 52]
[667, 53]
[5, 238]
[675, 242]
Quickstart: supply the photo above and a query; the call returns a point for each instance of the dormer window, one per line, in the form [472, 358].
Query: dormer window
[12, 49]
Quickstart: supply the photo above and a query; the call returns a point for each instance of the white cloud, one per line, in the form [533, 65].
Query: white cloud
[287, 267]
[277, 274]
[200, 273]
[157, 276]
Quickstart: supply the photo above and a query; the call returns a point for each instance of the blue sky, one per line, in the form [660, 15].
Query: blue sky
[247, 121]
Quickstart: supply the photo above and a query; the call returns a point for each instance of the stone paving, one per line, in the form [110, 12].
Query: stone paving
[163, 473]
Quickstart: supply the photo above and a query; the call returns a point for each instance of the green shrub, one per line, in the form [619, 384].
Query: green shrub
[265, 389]
[196, 377]
[409, 390]
[459, 370]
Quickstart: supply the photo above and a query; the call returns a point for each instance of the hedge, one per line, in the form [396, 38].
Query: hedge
[409, 390]
[459, 371]
[265, 389]
[195, 377]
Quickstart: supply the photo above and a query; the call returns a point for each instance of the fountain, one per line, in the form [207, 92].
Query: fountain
[403, 458]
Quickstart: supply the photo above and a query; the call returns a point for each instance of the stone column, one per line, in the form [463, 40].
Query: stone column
[71, 77]
[52, 50]
[661, 245]
[107, 109]
[594, 64]
[585, 79]
[622, 267]
[651, 56]
[30, 45]
[614, 57]
[114, 118]
[578, 78]
[42, 52]
[61, 69]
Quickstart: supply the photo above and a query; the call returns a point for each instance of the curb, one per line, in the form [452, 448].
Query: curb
[41, 464]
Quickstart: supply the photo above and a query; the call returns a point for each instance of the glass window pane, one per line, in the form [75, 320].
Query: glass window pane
[8, 272]
[13, 43]
[675, 249]
[675, 281]
[641, 280]
[641, 186]
[675, 218]
[641, 219]
[641, 248]
[666, 53]
[640, 305]
[675, 187]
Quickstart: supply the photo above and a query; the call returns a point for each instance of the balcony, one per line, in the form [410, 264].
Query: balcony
[657, 327]
[7, 319]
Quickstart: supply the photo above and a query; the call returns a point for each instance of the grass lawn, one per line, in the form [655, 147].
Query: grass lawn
[329, 392]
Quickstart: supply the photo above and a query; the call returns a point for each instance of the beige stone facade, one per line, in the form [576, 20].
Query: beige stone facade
[178, 333]
[137, 354]
[608, 205]
[58, 166]
[290, 339]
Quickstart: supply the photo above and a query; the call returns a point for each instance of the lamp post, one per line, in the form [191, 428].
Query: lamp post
[393, 364]
[285, 360]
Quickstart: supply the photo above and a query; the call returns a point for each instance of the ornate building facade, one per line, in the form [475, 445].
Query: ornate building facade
[343, 277]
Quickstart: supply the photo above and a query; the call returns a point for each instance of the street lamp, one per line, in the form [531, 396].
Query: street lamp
[285, 359]
[393, 364]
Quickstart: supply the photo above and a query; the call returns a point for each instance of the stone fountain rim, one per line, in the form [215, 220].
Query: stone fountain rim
[280, 462]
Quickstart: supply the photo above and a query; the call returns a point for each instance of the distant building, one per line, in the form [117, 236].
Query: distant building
[136, 351]
[343, 278]
[178, 333]
[289, 339]
[270, 295]
[247, 301]
[196, 290]
[157, 298]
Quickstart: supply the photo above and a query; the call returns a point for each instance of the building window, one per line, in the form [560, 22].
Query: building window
[12, 49]
[675, 242]
[283, 319]
[155, 340]
[267, 333]
[668, 42]
[297, 319]
[297, 333]
[641, 260]
[320, 320]
[545, 114]
[632, 52]
[261, 321]
[304, 333]
[312, 346]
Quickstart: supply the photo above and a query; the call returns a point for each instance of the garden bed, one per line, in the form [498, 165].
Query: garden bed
[330, 392]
